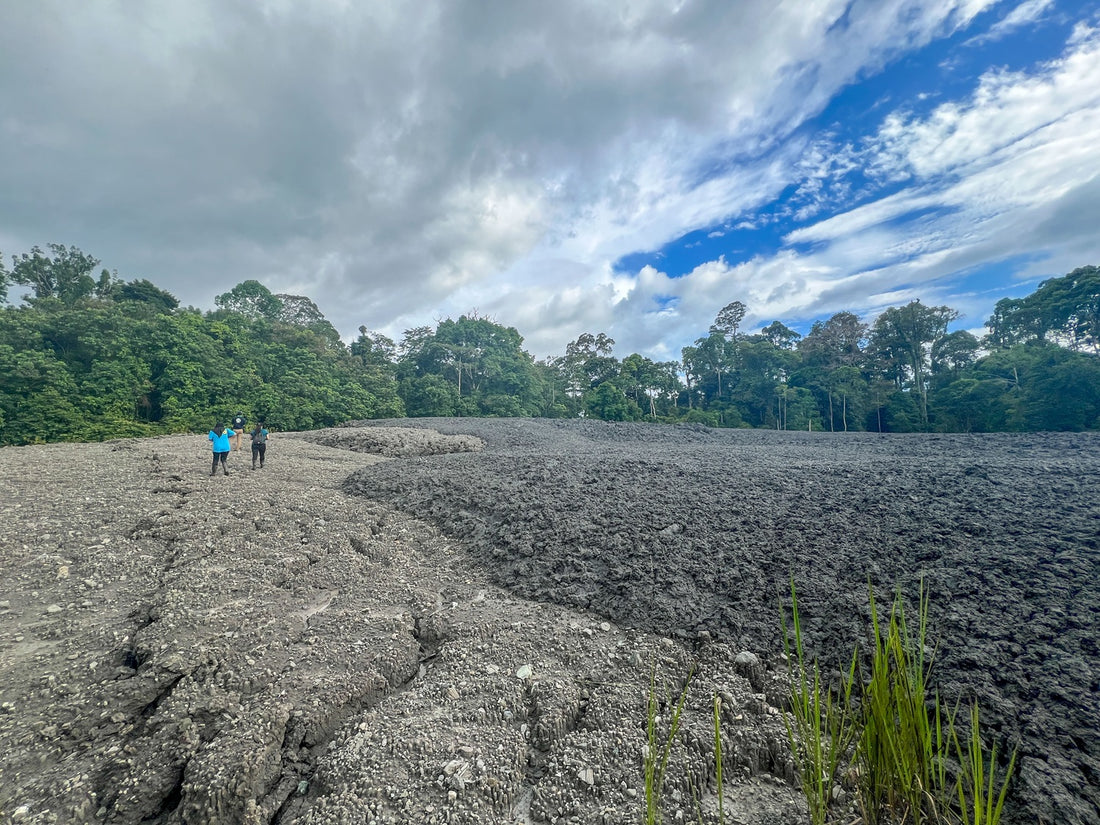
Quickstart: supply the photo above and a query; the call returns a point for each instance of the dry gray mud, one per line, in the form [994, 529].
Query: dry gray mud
[272, 647]
[683, 531]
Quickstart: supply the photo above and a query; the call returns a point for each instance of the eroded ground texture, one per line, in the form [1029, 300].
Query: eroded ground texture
[681, 530]
[458, 620]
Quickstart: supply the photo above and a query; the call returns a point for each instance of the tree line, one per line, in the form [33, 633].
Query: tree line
[91, 357]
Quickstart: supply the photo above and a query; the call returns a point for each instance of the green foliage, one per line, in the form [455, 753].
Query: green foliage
[66, 275]
[130, 364]
[607, 403]
[128, 361]
[658, 748]
[893, 733]
[901, 746]
[251, 299]
[472, 366]
[821, 728]
[1062, 310]
[145, 292]
[980, 803]
[903, 339]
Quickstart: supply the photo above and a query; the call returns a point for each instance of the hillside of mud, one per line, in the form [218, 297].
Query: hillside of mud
[686, 531]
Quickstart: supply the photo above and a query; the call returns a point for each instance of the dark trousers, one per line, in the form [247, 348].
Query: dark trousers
[258, 451]
[214, 465]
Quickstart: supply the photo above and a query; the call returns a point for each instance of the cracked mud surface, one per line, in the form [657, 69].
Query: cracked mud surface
[465, 632]
[266, 648]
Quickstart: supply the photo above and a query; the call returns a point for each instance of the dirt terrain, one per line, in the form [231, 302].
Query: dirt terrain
[458, 620]
[266, 648]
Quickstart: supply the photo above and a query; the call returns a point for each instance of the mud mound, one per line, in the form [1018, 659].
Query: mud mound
[393, 442]
[684, 530]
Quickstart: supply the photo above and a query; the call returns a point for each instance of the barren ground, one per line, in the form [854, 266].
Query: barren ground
[457, 620]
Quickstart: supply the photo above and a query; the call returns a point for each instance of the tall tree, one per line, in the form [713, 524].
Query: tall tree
[588, 363]
[300, 311]
[374, 349]
[251, 299]
[905, 337]
[830, 353]
[780, 335]
[728, 320]
[953, 353]
[1069, 307]
[66, 275]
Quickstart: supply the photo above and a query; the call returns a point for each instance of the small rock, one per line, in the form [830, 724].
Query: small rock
[524, 672]
[748, 665]
[587, 777]
[54, 608]
[605, 627]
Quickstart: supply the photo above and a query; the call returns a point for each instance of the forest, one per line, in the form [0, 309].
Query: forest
[88, 357]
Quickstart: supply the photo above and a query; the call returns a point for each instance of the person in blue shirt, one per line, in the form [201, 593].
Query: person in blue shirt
[219, 443]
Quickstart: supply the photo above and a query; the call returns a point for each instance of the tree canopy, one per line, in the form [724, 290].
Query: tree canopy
[85, 358]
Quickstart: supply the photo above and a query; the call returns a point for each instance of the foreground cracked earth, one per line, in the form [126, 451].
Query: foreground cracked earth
[262, 648]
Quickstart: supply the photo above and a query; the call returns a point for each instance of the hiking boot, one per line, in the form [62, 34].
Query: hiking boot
[226, 472]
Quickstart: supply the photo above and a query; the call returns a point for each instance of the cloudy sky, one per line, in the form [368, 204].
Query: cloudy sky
[621, 166]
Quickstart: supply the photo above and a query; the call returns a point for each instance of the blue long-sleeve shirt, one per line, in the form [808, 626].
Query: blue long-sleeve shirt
[220, 443]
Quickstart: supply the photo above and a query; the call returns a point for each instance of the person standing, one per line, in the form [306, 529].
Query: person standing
[219, 443]
[259, 443]
[238, 430]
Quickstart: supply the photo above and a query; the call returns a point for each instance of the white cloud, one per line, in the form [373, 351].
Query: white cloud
[400, 162]
[1026, 13]
[986, 174]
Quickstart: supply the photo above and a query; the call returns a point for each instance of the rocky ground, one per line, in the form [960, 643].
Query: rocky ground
[458, 620]
[269, 647]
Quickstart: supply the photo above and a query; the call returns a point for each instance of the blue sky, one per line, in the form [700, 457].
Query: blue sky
[627, 167]
[945, 70]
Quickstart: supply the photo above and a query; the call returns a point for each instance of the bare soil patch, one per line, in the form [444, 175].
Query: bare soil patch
[265, 647]
[456, 620]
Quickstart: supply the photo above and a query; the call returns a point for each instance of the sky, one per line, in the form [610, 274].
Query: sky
[623, 166]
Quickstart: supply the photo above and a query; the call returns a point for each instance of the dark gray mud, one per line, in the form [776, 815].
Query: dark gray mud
[684, 529]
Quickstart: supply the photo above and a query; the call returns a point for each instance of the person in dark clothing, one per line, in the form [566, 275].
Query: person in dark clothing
[259, 443]
[219, 443]
[238, 430]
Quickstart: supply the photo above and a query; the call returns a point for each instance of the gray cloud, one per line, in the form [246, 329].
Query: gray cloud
[400, 162]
